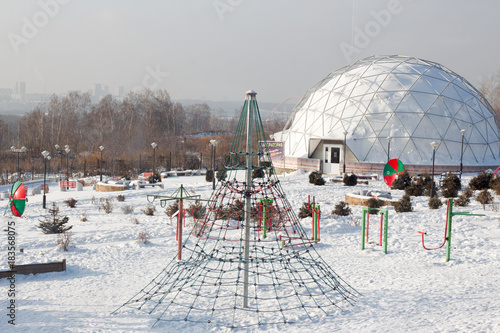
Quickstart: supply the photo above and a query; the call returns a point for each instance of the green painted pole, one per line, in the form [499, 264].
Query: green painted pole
[316, 223]
[363, 224]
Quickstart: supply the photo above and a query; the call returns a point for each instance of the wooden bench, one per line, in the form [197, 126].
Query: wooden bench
[58, 266]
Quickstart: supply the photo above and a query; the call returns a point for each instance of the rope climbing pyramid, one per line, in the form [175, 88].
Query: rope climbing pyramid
[248, 261]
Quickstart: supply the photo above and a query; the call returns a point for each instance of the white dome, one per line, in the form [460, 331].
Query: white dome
[414, 101]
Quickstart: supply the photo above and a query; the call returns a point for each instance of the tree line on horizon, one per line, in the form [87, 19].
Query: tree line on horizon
[125, 128]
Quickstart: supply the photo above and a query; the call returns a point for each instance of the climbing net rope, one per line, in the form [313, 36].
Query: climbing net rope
[287, 280]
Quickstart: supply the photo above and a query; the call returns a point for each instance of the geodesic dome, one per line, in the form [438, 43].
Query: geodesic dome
[413, 101]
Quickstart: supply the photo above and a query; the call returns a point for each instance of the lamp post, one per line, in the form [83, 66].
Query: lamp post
[67, 150]
[18, 151]
[434, 146]
[462, 151]
[388, 146]
[345, 149]
[46, 158]
[154, 145]
[60, 166]
[213, 143]
[101, 148]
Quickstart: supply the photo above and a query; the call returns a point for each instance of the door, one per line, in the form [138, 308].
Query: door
[331, 159]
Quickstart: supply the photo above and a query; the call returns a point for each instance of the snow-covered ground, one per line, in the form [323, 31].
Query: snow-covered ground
[408, 289]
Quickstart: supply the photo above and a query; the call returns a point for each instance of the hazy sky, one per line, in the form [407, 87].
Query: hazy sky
[218, 49]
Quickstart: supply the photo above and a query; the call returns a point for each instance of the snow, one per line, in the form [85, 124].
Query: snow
[408, 289]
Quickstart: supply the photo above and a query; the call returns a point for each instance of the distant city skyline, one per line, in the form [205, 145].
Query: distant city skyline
[217, 50]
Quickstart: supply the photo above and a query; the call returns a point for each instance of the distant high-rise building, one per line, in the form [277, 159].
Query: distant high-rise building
[97, 90]
[118, 91]
[19, 91]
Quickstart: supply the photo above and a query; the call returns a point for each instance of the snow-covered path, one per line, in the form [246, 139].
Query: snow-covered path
[408, 289]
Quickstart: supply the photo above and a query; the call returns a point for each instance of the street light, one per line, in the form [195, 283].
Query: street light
[101, 148]
[46, 158]
[18, 151]
[462, 151]
[434, 146]
[388, 146]
[154, 145]
[61, 153]
[213, 143]
[345, 148]
[67, 150]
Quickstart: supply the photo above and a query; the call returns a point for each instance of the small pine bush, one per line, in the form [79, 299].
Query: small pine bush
[54, 224]
[319, 180]
[313, 175]
[461, 201]
[106, 205]
[232, 211]
[350, 180]
[374, 203]
[414, 190]
[120, 198]
[342, 209]
[425, 181]
[481, 181]
[484, 197]
[435, 203]
[304, 211]
[258, 173]
[402, 182]
[451, 186]
[209, 176]
[128, 209]
[495, 184]
[468, 192]
[149, 210]
[71, 202]
[154, 178]
[403, 205]
[464, 199]
[196, 209]
[172, 208]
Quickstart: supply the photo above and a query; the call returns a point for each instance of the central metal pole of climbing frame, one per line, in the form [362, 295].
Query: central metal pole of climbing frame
[248, 205]
[179, 227]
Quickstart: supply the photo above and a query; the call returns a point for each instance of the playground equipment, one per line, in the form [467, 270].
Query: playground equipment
[237, 272]
[316, 213]
[315, 210]
[265, 217]
[447, 229]
[365, 227]
[180, 194]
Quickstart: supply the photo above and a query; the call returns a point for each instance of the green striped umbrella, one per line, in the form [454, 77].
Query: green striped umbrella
[393, 168]
[17, 199]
